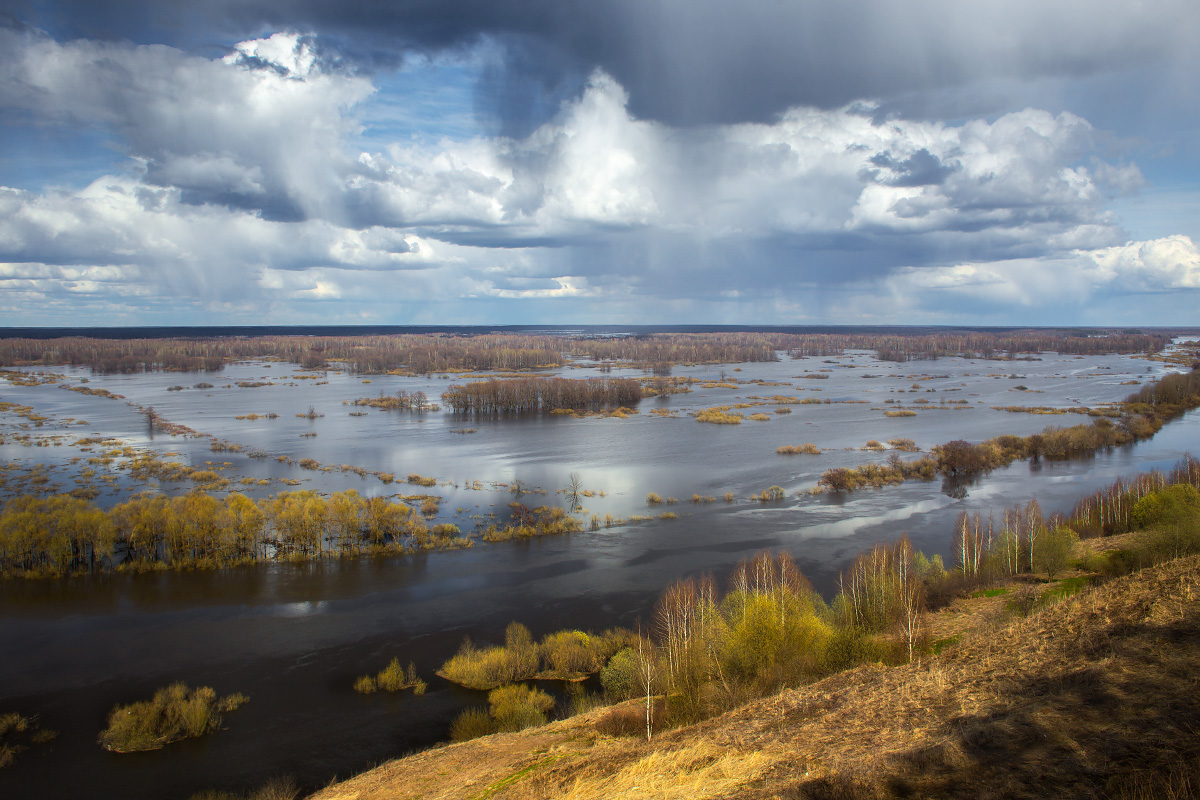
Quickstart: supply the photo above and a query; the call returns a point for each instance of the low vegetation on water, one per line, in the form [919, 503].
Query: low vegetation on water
[527, 523]
[402, 400]
[392, 678]
[18, 733]
[563, 655]
[719, 415]
[1141, 415]
[894, 470]
[174, 713]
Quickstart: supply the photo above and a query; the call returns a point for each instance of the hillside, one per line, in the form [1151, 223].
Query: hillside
[1094, 695]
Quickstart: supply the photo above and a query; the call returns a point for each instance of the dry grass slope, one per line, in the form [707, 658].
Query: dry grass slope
[1097, 695]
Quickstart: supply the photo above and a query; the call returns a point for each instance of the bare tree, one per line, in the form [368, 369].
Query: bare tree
[573, 489]
[1033, 527]
[647, 672]
[909, 591]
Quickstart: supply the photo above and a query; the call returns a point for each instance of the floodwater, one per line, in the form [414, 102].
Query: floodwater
[294, 637]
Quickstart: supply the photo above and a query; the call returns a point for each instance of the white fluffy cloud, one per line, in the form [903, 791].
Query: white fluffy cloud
[1172, 262]
[261, 130]
[244, 192]
[1059, 283]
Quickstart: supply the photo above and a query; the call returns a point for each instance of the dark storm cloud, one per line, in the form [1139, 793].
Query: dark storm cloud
[922, 168]
[687, 61]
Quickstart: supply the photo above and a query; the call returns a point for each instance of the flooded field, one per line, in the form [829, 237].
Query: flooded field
[293, 636]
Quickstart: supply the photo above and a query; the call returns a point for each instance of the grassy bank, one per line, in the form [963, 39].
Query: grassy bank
[1090, 694]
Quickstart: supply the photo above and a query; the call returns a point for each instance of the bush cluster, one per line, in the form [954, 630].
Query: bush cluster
[175, 712]
[565, 655]
[510, 708]
[392, 678]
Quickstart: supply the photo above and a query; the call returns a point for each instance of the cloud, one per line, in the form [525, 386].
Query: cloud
[220, 130]
[688, 62]
[1172, 262]
[246, 186]
[1101, 277]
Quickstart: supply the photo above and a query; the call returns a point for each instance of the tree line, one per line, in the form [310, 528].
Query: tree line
[1138, 416]
[417, 353]
[973, 344]
[508, 395]
[61, 535]
[443, 352]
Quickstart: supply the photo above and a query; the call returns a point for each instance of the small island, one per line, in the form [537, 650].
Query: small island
[176, 712]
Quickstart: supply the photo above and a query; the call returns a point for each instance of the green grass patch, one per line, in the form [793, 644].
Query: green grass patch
[991, 592]
[938, 645]
[1065, 588]
[524, 772]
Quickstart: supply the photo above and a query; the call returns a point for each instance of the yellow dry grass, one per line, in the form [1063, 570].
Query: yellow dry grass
[687, 773]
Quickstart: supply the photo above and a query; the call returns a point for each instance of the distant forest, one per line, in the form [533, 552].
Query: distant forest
[466, 350]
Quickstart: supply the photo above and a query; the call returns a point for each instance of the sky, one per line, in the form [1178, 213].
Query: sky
[786, 162]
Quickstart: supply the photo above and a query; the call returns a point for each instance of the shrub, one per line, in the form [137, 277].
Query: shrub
[471, 724]
[1054, 550]
[1170, 541]
[518, 706]
[630, 719]
[494, 666]
[174, 713]
[17, 732]
[365, 684]
[574, 653]
[848, 647]
[719, 416]
[1023, 601]
[283, 788]
[1170, 505]
[623, 721]
[619, 676]
[392, 677]
[583, 701]
[808, 448]
[653, 499]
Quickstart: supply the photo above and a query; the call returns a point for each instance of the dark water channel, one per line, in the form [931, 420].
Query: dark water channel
[293, 637]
